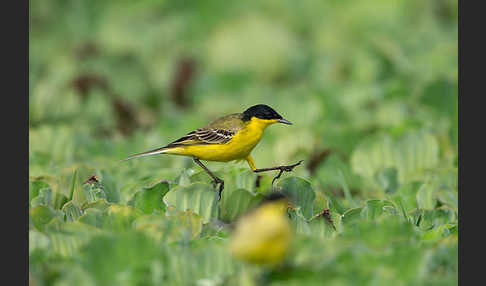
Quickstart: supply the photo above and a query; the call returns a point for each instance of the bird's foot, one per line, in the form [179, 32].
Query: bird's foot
[287, 168]
[219, 182]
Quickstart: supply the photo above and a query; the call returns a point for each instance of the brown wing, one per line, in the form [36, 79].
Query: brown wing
[219, 131]
[204, 136]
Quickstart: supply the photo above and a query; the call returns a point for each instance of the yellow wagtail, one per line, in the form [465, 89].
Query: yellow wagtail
[228, 138]
[263, 235]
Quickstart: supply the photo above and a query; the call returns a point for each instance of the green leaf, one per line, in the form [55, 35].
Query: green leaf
[71, 211]
[374, 208]
[235, 202]
[300, 193]
[410, 155]
[59, 200]
[402, 209]
[110, 187]
[110, 259]
[347, 192]
[351, 215]
[37, 240]
[184, 178]
[264, 185]
[155, 226]
[447, 184]
[94, 191]
[199, 176]
[151, 198]
[42, 215]
[189, 221]
[438, 233]
[427, 219]
[79, 196]
[47, 197]
[246, 179]
[335, 172]
[387, 179]
[407, 195]
[176, 226]
[73, 184]
[100, 204]
[120, 217]
[93, 217]
[199, 197]
[391, 210]
[70, 237]
[448, 198]
[320, 202]
[43, 198]
[321, 227]
[299, 221]
[425, 197]
[34, 188]
[334, 204]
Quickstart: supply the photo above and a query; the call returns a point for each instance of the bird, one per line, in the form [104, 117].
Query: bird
[228, 138]
[263, 235]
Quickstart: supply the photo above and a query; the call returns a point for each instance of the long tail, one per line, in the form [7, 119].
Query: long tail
[148, 153]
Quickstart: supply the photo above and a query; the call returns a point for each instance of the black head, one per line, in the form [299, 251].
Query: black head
[263, 111]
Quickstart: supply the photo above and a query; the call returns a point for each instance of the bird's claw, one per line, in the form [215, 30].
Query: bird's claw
[221, 187]
[288, 168]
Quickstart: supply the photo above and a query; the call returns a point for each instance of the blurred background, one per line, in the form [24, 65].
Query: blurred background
[371, 87]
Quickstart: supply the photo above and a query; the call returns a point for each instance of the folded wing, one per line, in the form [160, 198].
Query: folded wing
[204, 136]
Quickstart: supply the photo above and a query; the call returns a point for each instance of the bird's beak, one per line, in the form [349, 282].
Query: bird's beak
[284, 121]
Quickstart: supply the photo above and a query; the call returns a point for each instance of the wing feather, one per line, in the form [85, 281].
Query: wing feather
[204, 136]
[220, 131]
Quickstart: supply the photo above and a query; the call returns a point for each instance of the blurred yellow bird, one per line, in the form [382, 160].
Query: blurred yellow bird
[263, 236]
[228, 138]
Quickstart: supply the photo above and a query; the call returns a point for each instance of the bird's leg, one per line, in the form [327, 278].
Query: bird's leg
[287, 168]
[216, 179]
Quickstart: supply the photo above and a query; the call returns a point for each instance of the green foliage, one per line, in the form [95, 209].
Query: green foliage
[410, 156]
[371, 88]
[34, 189]
[150, 199]
[116, 258]
[199, 197]
[235, 202]
[300, 193]
[42, 215]
[72, 212]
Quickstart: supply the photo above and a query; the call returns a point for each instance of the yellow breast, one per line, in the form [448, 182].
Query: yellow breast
[239, 147]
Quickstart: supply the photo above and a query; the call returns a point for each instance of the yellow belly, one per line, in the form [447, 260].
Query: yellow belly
[239, 147]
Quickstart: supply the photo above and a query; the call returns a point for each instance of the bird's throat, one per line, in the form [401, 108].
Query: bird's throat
[257, 124]
[254, 129]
